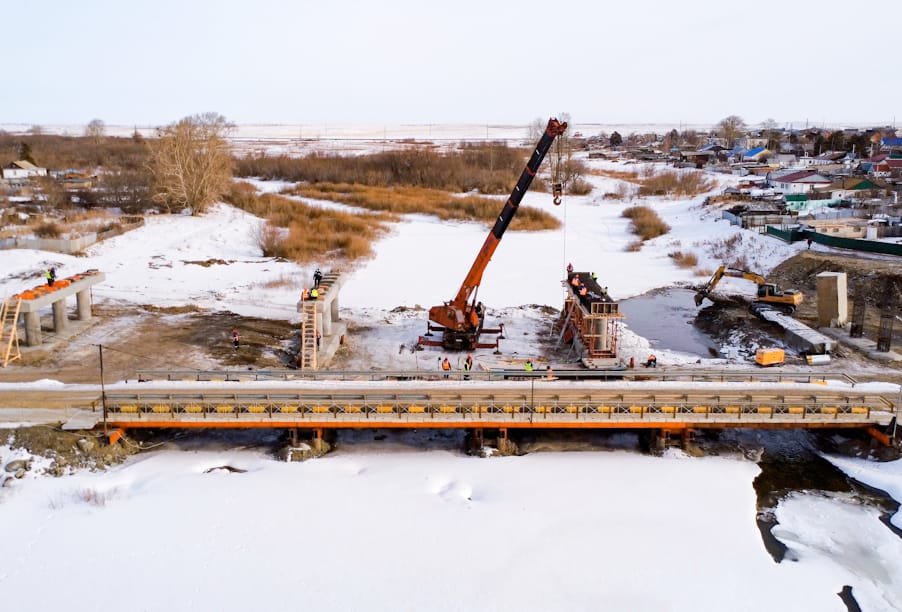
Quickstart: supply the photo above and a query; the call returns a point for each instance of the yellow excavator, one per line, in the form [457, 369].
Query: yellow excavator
[768, 293]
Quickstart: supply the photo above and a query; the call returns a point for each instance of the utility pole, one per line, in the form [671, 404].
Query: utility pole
[102, 389]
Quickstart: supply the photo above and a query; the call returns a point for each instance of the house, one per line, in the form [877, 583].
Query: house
[849, 188]
[891, 144]
[758, 154]
[895, 168]
[797, 181]
[22, 169]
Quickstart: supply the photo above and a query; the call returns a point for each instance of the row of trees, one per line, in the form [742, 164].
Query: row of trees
[188, 166]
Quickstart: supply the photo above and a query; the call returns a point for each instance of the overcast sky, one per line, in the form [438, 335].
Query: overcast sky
[151, 62]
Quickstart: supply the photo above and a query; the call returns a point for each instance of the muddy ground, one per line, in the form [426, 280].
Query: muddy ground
[147, 337]
[878, 281]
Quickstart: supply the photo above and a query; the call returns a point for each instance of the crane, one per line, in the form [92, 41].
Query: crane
[767, 292]
[461, 319]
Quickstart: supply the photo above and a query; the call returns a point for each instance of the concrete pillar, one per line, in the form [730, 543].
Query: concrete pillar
[832, 299]
[33, 329]
[59, 315]
[84, 305]
[334, 307]
[325, 322]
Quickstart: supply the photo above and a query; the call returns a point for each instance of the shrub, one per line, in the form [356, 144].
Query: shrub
[47, 230]
[684, 260]
[580, 187]
[635, 245]
[645, 222]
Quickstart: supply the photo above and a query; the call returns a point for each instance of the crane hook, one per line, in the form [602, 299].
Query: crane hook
[557, 191]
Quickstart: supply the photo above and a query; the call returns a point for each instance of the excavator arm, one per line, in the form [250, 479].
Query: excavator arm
[460, 316]
[767, 292]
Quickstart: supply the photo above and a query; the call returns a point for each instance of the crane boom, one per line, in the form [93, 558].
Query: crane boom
[459, 320]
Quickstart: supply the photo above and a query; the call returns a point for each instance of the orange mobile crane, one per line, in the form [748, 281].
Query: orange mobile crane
[461, 320]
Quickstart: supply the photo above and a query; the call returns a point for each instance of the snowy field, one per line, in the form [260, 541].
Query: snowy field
[420, 526]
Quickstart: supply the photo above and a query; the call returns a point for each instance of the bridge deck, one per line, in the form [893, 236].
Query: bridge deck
[512, 406]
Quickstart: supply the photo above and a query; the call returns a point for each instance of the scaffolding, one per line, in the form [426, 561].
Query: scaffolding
[591, 323]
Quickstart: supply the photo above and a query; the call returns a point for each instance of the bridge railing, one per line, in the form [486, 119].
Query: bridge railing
[652, 374]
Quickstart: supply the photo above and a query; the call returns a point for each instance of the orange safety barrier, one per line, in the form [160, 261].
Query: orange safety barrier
[62, 283]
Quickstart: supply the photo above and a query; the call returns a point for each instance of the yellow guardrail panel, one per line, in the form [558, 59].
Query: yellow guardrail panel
[256, 409]
[193, 409]
[416, 409]
[288, 409]
[225, 409]
[161, 408]
[797, 410]
[765, 409]
[829, 409]
[542, 409]
[128, 408]
[385, 409]
[606, 409]
[571, 409]
[700, 409]
[510, 409]
[732, 409]
[447, 409]
[860, 410]
[637, 409]
[354, 409]
[320, 409]
[669, 409]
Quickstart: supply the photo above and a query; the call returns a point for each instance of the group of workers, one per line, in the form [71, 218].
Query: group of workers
[313, 293]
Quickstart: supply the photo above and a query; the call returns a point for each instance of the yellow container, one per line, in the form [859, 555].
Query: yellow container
[769, 357]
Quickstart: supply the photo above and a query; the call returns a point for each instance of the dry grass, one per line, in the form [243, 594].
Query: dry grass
[684, 260]
[656, 182]
[645, 222]
[631, 176]
[311, 231]
[48, 230]
[635, 245]
[407, 200]
[675, 184]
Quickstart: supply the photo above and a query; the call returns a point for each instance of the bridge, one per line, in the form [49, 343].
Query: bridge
[409, 400]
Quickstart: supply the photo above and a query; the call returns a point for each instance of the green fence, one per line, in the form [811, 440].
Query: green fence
[854, 244]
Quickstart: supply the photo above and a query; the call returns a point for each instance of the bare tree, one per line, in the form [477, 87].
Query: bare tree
[96, 130]
[191, 162]
[730, 128]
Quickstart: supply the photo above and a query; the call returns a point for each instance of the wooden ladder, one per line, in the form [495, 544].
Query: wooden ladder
[9, 331]
[307, 355]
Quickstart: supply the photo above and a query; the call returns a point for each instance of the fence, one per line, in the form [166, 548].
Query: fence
[70, 246]
[794, 234]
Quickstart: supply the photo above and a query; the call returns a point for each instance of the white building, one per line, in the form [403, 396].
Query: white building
[22, 169]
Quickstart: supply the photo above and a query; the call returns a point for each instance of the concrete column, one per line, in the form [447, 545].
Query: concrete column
[334, 307]
[33, 329]
[326, 322]
[832, 299]
[84, 305]
[59, 315]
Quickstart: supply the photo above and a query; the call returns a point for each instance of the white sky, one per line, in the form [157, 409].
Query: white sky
[407, 61]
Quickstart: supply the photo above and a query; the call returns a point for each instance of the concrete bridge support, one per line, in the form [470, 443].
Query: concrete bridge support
[33, 329]
[83, 301]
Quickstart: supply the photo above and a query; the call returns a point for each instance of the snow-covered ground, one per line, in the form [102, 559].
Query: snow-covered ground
[377, 527]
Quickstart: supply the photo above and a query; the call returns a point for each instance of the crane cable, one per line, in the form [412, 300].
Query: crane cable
[557, 170]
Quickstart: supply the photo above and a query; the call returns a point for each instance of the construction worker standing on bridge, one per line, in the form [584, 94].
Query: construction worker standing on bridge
[446, 366]
[528, 365]
[317, 278]
[468, 365]
[236, 339]
[314, 294]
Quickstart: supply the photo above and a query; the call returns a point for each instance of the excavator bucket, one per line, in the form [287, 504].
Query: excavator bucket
[699, 298]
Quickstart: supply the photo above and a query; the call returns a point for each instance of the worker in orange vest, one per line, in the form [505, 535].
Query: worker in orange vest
[305, 294]
[446, 366]
[651, 362]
